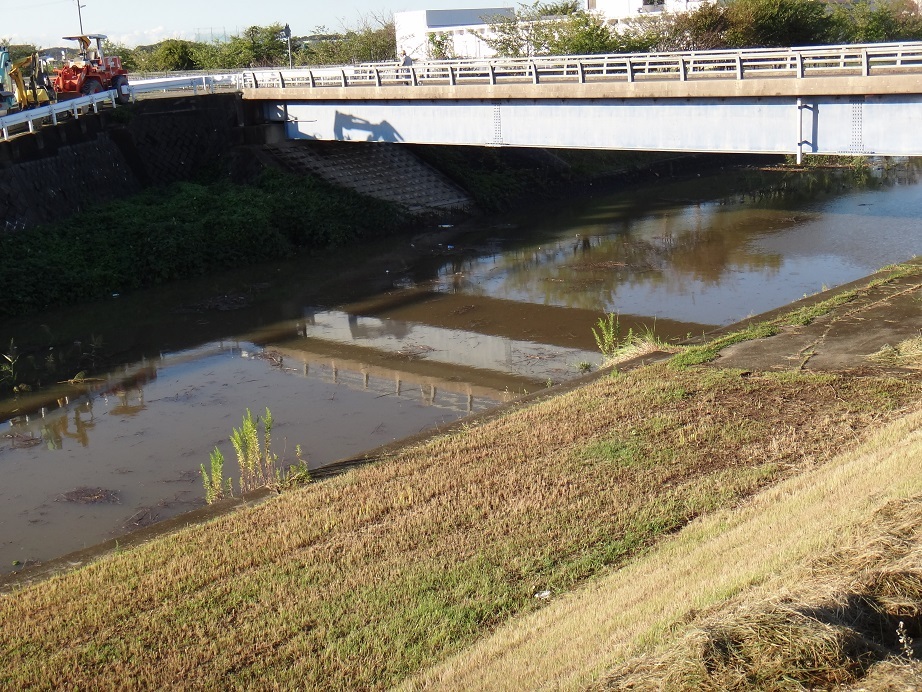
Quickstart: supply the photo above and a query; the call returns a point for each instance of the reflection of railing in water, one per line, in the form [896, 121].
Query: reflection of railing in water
[454, 396]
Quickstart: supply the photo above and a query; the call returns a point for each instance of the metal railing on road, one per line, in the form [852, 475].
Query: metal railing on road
[72, 108]
[805, 62]
[31, 118]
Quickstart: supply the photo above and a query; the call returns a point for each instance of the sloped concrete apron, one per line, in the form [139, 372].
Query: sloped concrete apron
[843, 339]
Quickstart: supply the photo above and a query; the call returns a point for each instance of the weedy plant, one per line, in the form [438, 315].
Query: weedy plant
[257, 462]
[608, 337]
[616, 348]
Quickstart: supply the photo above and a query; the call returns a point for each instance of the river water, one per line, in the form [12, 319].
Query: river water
[130, 395]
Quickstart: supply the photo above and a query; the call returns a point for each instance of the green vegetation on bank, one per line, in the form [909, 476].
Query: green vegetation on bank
[182, 230]
[617, 348]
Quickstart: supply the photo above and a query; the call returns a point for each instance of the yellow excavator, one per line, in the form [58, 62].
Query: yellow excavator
[30, 88]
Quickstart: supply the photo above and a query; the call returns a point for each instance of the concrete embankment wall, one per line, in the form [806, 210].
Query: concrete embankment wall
[97, 158]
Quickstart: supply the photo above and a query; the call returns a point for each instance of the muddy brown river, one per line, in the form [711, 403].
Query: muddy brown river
[128, 396]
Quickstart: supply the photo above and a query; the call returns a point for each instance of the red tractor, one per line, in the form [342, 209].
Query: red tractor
[91, 73]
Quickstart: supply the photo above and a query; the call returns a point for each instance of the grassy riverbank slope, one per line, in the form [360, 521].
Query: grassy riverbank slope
[389, 573]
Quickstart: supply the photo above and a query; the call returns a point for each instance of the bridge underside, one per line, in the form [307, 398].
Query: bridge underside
[844, 125]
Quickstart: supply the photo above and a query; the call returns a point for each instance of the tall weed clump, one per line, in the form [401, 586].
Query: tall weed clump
[257, 463]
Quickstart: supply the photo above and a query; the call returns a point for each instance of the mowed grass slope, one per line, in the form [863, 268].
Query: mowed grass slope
[364, 580]
[801, 587]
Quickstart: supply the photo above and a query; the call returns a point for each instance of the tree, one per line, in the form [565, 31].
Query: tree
[373, 40]
[258, 46]
[18, 51]
[775, 23]
[441, 46]
[559, 28]
[581, 33]
[704, 28]
[864, 22]
[172, 55]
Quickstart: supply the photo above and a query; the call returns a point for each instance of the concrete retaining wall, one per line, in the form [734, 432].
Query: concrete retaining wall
[101, 157]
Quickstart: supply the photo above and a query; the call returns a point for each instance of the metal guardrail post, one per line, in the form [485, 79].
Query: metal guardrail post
[534, 73]
[630, 70]
[310, 79]
[865, 63]
[492, 74]
[800, 65]
[581, 71]
[451, 76]
[739, 66]
[342, 76]
[683, 72]
[377, 77]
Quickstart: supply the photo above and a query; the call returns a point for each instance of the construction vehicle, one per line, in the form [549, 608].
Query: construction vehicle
[92, 72]
[29, 83]
[24, 83]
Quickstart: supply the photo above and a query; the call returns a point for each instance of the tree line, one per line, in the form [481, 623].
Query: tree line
[257, 46]
[265, 46]
[562, 28]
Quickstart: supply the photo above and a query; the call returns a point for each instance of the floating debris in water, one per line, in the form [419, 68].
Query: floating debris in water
[90, 496]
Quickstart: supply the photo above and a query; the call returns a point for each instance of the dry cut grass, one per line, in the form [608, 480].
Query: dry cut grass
[829, 632]
[906, 354]
[366, 579]
[854, 617]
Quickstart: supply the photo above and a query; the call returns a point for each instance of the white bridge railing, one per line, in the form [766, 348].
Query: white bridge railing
[820, 61]
[71, 107]
[805, 62]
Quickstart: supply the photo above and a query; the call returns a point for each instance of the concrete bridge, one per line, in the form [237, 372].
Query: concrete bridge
[856, 100]
[842, 100]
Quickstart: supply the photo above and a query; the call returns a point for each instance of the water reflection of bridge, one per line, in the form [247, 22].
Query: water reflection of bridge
[454, 395]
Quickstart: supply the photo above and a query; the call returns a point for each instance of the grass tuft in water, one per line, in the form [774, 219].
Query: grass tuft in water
[257, 462]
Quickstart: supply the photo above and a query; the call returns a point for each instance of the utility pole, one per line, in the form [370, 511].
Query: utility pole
[80, 15]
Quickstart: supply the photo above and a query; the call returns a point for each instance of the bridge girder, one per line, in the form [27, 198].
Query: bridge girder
[887, 124]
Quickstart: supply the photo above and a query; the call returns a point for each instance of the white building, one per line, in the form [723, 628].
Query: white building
[418, 32]
[616, 10]
[459, 32]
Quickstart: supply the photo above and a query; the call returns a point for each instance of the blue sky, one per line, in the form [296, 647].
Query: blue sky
[134, 22]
